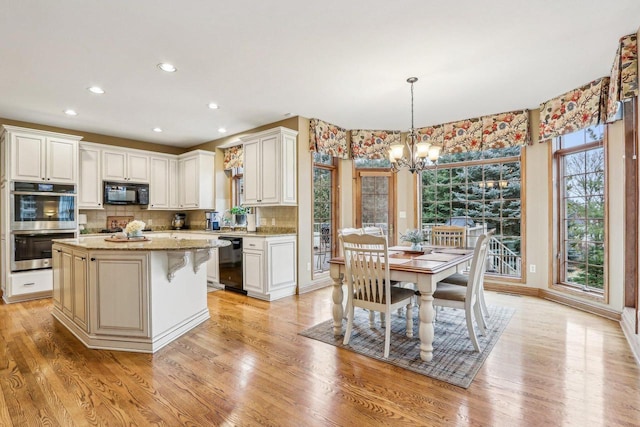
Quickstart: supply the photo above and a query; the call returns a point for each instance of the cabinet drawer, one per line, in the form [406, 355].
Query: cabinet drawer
[31, 282]
[253, 243]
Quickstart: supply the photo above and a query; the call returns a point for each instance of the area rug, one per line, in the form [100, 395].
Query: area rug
[454, 359]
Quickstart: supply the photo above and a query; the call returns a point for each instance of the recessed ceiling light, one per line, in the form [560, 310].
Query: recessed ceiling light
[70, 112]
[222, 130]
[96, 89]
[213, 106]
[157, 129]
[169, 68]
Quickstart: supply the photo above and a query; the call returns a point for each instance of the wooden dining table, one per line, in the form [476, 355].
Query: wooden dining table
[425, 270]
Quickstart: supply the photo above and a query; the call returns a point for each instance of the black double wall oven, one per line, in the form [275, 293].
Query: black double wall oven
[39, 213]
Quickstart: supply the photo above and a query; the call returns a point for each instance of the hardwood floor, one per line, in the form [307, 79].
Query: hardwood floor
[247, 366]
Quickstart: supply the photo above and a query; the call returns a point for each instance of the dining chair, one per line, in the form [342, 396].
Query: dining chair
[463, 280]
[466, 297]
[368, 283]
[449, 235]
[374, 231]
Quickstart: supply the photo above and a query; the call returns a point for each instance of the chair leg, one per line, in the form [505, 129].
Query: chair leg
[347, 333]
[472, 332]
[410, 319]
[383, 319]
[372, 318]
[387, 338]
[479, 318]
[483, 303]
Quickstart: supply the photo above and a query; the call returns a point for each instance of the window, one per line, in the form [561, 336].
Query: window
[237, 187]
[324, 196]
[580, 203]
[484, 188]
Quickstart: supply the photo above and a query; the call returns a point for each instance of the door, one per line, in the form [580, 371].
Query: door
[159, 185]
[252, 172]
[62, 160]
[27, 157]
[90, 182]
[375, 201]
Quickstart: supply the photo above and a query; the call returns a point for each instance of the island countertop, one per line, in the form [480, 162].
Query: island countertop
[153, 244]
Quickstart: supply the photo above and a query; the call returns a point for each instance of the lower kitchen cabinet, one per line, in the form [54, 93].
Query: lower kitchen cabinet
[70, 287]
[269, 266]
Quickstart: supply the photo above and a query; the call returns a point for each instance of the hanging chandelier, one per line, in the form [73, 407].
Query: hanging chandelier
[420, 154]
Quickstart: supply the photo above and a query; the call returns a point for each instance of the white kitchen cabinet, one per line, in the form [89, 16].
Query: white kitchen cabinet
[119, 287]
[174, 202]
[90, 181]
[196, 180]
[269, 266]
[160, 183]
[42, 156]
[70, 286]
[125, 165]
[270, 166]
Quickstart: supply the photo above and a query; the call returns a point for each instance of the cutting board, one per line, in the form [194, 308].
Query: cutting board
[114, 222]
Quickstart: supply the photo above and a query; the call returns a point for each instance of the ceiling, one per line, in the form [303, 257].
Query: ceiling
[345, 62]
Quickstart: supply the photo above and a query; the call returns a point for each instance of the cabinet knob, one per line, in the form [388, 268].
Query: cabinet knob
[58, 250]
[93, 259]
[84, 258]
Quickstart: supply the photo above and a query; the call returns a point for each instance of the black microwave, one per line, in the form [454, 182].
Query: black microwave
[119, 193]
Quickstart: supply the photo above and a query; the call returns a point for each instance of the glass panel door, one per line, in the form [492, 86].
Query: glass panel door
[375, 204]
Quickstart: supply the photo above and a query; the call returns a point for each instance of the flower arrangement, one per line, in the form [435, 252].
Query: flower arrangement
[414, 236]
[134, 227]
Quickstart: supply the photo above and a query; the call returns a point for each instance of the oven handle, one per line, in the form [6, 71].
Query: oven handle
[39, 193]
[43, 232]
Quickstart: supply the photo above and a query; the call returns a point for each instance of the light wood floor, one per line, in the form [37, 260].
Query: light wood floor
[247, 366]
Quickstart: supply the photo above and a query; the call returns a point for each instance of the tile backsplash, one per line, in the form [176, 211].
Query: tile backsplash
[267, 218]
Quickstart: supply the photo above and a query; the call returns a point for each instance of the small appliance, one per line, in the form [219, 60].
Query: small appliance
[119, 193]
[251, 222]
[213, 220]
[179, 220]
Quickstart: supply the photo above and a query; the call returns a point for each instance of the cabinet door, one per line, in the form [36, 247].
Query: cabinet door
[159, 183]
[120, 295]
[27, 157]
[253, 270]
[189, 183]
[174, 202]
[114, 166]
[56, 255]
[270, 170]
[62, 160]
[251, 177]
[137, 167]
[66, 262]
[79, 298]
[213, 274]
[90, 182]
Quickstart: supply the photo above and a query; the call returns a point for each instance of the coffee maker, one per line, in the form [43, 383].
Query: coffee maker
[179, 221]
[213, 220]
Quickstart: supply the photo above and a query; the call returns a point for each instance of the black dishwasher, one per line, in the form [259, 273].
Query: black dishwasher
[230, 264]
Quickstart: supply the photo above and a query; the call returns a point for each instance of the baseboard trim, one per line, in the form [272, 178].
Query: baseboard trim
[511, 289]
[580, 305]
[315, 285]
[628, 328]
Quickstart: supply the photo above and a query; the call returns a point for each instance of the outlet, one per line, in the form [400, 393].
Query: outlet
[149, 221]
[532, 268]
[273, 221]
[308, 266]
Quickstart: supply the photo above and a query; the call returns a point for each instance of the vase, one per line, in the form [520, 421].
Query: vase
[416, 246]
[135, 234]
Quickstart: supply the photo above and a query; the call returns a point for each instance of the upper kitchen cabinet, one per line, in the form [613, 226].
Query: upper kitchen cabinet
[90, 182]
[270, 167]
[37, 155]
[125, 165]
[196, 180]
[163, 184]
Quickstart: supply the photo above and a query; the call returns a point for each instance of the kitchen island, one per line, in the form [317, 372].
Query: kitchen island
[136, 295]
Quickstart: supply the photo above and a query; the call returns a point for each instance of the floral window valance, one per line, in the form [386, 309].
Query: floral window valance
[575, 110]
[462, 136]
[373, 144]
[328, 139]
[505, 130]
[624, 75]
[233, 157]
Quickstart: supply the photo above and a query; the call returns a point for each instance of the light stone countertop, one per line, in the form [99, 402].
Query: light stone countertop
[154, 244]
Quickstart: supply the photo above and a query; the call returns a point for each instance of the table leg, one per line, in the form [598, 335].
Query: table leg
[338, 311]
[426, 331]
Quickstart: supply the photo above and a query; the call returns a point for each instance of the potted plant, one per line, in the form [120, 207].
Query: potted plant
[414, 236]
[239, 214]
[134, 229]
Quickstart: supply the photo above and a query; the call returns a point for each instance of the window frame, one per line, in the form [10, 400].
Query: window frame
[334, 170]
[558, 256]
